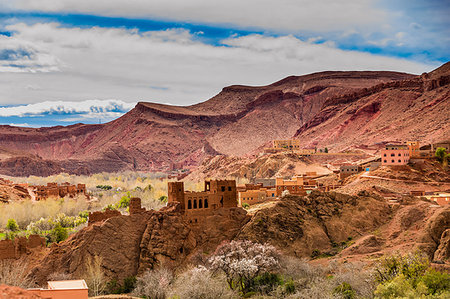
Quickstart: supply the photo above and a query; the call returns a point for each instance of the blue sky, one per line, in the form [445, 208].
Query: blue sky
[69, 61]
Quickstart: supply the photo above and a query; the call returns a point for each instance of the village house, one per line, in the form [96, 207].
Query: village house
[293, 186]
[290, 144]
[348, 170]
[251, 197]
[442, 199]
[394, 155]
[217, 194]
[65, 289]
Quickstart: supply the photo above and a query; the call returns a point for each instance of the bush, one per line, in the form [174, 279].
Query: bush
[245, 205]
[410, 276]
[436, 282]
[14, 273]
[154, 284]
[127, 286]
[199, 283]
[104, 187]
[163, 198]
[12, 225]
[345, 290]
[412, 266]
[58, 234]
[124, 201]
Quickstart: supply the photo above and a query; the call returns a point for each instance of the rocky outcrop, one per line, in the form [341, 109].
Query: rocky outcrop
[433, 232]
[443, 251]
[301, 225]
[127, 245]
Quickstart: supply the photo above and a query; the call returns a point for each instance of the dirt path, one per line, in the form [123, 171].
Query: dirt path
[403, 181]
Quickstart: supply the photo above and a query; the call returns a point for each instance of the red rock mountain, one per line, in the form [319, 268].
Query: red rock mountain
[336, 109]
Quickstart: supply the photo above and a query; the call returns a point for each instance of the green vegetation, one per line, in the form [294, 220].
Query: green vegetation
[104, 187]
[12, 225]
[410, 276]
[127, 286]
[442, 156]
[344, 290]
[245, 205]
[58, 234]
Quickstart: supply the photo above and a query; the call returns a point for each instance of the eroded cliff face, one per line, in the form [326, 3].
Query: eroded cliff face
[414, 109]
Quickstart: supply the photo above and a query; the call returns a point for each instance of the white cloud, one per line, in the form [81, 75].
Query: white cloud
[167, 66]
[19, 55]
[283, 15]
[87, 109]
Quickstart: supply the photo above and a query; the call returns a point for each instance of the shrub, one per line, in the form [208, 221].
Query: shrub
[124, 201]
[163, 198]
[345, 290]
[154, 284]
[436, 282]
[127, 286]
[245, 205]
[412, 266]
[58, 234]
[200, 283]
[14, 273]
[12, 225]
[410, 276]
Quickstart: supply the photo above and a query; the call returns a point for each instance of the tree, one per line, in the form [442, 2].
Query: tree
[326, 150]
[94, 275]
[440, 153]
[154, 283]
[12, 225]
[243, 261]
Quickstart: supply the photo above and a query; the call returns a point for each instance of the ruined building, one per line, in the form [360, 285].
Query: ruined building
[216, 195]
[54, 190]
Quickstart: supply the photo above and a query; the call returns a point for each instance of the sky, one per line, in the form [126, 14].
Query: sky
[69, 61]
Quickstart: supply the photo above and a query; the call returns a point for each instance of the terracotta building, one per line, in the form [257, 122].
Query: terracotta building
[291, 144]
[216, 194]
[348, 170]
[414, 149]
[395, 155]
[54, 190]
[252, 196]
[294, 186]
[67, 289]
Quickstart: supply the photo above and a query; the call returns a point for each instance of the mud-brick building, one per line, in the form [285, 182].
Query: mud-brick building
[217, 194]
[395, 155]
[54, 190]
[348, 170]
[291, 144]
[294, 186]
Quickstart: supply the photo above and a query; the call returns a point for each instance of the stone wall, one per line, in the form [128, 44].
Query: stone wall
[12, 249]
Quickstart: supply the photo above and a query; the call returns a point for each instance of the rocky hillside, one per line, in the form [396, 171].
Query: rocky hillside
[330, 224]
[238, 121]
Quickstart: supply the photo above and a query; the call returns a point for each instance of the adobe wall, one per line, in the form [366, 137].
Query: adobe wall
[100, 216]
[12, 249]
[135, 206]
